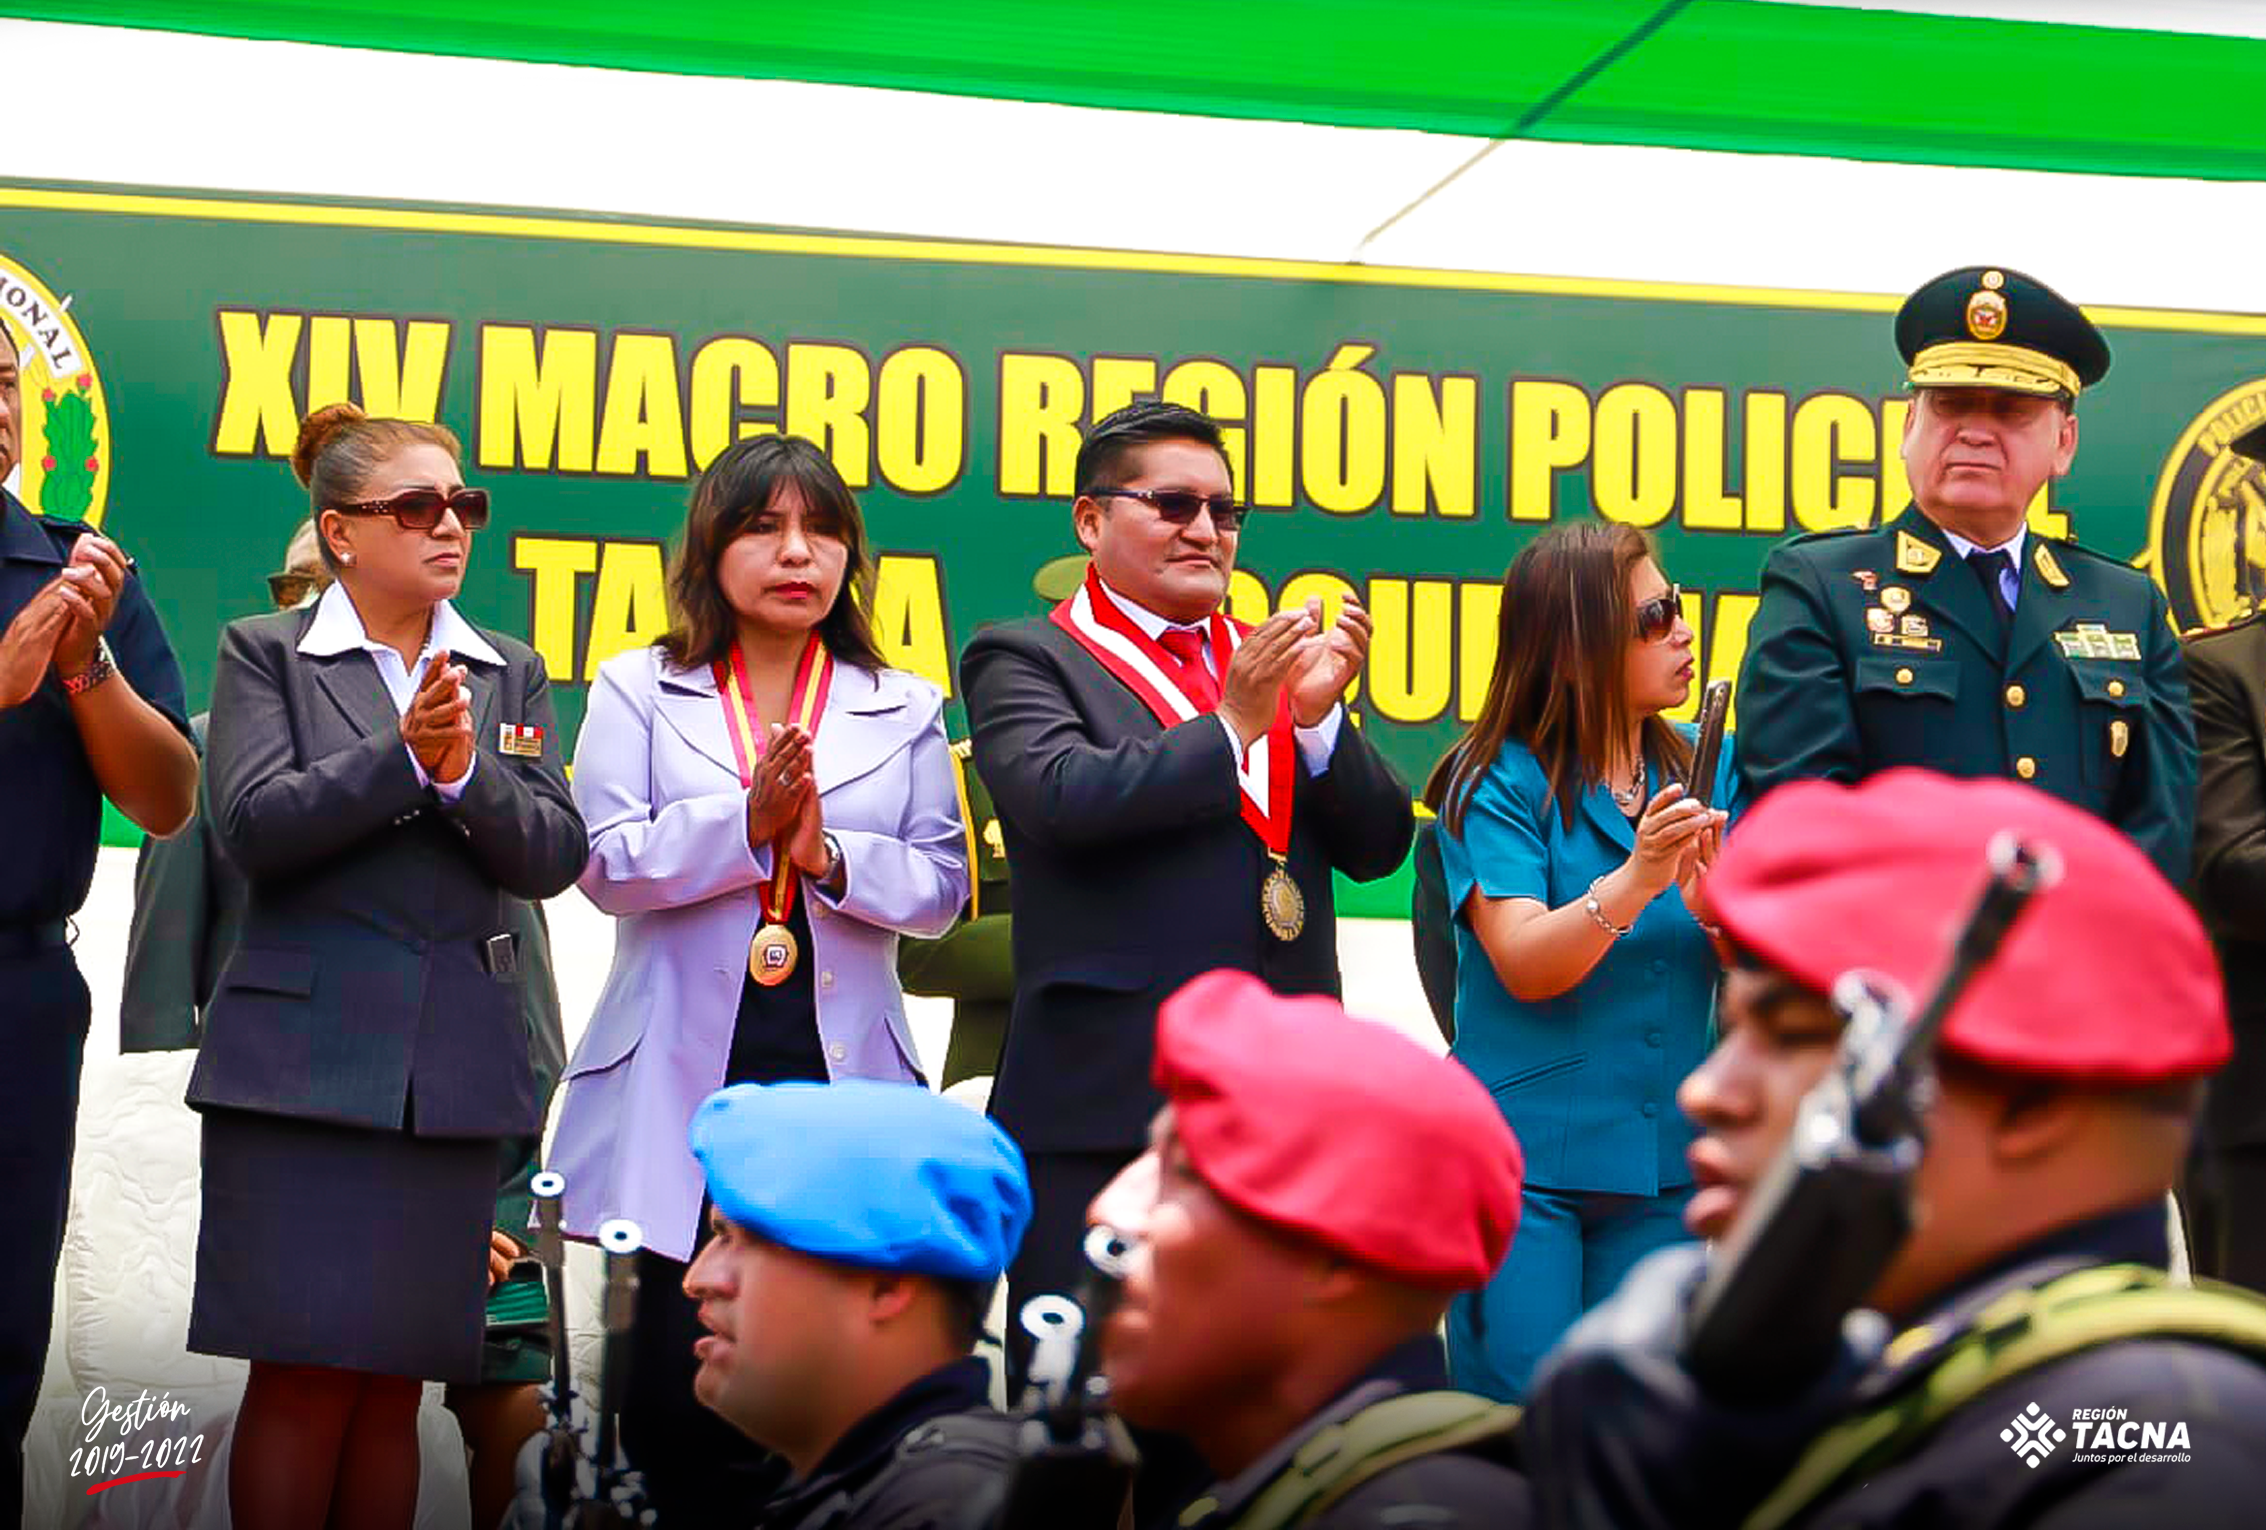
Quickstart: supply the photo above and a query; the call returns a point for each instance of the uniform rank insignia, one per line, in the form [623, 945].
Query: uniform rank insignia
[1914, 556]
[2049, 569]
[520, 739]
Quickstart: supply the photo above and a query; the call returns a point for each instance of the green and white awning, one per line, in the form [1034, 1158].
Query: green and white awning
[2003, 84]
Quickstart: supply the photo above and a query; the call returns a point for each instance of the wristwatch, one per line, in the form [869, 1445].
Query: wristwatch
[94, 674]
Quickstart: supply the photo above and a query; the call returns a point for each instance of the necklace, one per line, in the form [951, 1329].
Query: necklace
[1627, 798]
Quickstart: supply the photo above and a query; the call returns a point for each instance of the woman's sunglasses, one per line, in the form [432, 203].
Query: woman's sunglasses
[1656, 618]
[1179, 506]
[422, 509]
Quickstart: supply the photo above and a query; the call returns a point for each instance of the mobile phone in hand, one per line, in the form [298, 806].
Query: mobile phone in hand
[1715, 708]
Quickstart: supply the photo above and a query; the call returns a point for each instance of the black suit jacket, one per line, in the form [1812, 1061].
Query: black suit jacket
[1134, 872]
[364, 991]
[2226, 674]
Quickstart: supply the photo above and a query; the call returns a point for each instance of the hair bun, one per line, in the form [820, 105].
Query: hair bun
[315, 433]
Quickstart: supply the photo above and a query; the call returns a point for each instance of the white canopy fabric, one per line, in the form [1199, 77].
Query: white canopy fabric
[178, 111]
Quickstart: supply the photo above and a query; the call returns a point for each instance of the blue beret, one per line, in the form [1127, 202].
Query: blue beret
[888, 1176]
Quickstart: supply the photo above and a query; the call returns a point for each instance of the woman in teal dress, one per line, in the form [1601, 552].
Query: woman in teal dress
[1585, 974]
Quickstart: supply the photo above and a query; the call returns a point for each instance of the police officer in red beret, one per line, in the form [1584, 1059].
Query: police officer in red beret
[2044, 1370]
[1315, 1190]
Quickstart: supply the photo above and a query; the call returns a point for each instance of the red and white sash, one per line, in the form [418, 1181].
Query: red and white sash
[1141, 664]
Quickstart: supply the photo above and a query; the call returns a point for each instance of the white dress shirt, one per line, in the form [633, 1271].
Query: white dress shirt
[1315, 744]
[337, 628]
[2010, 577]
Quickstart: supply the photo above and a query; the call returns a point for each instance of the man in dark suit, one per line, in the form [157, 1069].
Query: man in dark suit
[2226, 1189]
[1956, 638]
[90, 707]
[1176, 794]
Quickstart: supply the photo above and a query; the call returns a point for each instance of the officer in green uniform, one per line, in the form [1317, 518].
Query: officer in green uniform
[972, 963]
[1954, 636]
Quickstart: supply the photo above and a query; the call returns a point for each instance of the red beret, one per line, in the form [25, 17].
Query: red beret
[2106, 978]
[1340, 1131]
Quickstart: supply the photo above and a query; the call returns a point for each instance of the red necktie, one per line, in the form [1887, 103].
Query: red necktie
[1187, 645]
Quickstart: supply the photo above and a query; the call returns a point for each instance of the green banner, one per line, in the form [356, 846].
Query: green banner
[1400, 432]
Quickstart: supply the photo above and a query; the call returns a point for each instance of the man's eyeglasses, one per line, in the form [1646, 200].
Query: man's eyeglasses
[1656, 618]
[1179, 506]
[422, 509]
[287, 590]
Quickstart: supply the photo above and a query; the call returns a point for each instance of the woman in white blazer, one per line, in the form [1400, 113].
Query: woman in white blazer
[770, 807]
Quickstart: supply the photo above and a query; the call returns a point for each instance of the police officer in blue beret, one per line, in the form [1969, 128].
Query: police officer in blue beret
[1956, 636]
[90, 707]
[858, 1230]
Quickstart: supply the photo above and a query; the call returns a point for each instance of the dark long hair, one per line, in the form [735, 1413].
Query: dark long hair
[737, 487]
[1561, 681]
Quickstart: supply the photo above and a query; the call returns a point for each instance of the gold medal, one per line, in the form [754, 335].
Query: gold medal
[1281, 904]
[771, 955]
[774, 952]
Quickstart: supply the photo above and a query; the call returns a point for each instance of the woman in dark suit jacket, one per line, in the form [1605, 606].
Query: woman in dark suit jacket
[385, 774]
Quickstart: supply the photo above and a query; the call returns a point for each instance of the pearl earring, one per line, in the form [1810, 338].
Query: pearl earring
[347, 559]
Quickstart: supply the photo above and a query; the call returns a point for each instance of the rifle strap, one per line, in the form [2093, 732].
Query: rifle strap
[1342, 1456]
[2022, 1330]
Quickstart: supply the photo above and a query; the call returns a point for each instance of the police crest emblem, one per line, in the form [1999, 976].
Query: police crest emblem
[65, 466]
[2207, 523]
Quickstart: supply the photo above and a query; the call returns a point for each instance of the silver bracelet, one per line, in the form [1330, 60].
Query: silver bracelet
[1596, 911]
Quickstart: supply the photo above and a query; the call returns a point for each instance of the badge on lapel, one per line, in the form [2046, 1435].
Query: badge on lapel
[520, 739]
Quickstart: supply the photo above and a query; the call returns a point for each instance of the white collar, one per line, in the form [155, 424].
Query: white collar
[337, 628]
[2012, 546]
[1148, 621]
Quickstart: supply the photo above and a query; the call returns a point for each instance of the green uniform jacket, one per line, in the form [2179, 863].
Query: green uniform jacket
[1873, 649]
[972, 963]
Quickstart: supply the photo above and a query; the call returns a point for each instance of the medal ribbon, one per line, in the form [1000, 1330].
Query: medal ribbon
[1142, 666]
[814, 676]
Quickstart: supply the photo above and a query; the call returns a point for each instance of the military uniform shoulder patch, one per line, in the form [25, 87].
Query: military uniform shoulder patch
[1914, 556]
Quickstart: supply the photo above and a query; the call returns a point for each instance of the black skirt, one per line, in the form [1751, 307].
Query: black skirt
[343, 1247]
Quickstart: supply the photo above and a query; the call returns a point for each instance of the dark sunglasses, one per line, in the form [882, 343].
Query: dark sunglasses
[1656, 618]
[1179, 506]
[422, 509]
